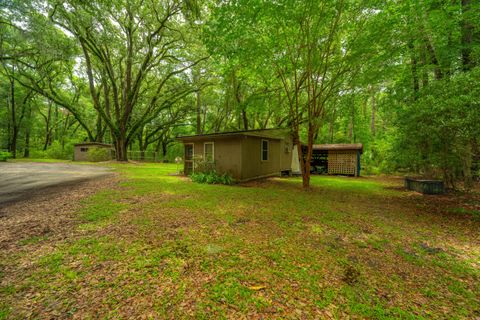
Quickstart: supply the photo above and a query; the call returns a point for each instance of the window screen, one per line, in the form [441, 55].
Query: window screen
[208, 151]
[264, 150]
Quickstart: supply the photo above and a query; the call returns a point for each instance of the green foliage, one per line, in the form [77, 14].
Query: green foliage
[204, 166]
[59, 151]
[400, 77]
[211, 178]
[434, 132]
[205, 172]
[4, 156]
[99, 154]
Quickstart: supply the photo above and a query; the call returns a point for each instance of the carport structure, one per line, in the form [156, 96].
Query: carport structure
[341, 159]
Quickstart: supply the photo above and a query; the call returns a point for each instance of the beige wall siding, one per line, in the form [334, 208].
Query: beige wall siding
[227, 154]
[79, 155]
[286, 153]
[240, 157]
[253, 165]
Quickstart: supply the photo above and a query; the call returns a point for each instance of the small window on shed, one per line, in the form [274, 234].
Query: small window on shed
[264, 150]
[208, 151]
[83, 149]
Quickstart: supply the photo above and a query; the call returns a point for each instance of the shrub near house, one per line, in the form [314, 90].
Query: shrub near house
[98, 154]
[205, 172]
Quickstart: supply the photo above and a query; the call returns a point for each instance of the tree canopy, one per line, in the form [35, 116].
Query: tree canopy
[400, 77]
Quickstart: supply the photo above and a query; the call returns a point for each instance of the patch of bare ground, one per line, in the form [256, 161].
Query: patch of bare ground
[47, 213]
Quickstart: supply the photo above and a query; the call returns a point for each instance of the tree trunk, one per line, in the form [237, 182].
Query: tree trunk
[308, 159]
[143, 147]
[100, 131]
[121, 145]
[467, 167]
[372, 120]
[13, 144]
[304, 161]
[351, 133]
[48, 130]
[416, 85]
[437, 71]
[164, 150]
[26, 152]
[245, 119]
[199, 112]
[424, 64]
[467, 35]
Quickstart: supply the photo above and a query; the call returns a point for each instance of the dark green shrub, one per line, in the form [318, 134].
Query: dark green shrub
[4, 156]
[99, 154]
[205, 172]
[211, 178]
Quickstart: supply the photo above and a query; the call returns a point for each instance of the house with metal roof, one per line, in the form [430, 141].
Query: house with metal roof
[253, 154]
[244, 155]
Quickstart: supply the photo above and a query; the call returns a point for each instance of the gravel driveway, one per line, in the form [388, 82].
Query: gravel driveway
[18, 180]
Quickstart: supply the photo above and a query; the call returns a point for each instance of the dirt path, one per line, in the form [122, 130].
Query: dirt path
[47, 212]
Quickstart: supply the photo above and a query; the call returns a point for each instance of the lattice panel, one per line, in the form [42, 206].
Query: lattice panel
[342, 162]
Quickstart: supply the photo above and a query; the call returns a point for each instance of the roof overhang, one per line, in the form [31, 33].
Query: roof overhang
[275, 134]
[92, 144]
[339, 147]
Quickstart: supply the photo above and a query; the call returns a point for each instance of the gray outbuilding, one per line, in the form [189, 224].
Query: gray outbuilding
[80, 152]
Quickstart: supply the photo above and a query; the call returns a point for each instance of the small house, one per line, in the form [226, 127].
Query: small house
[342, 159]
[80, 152]
[244, 155]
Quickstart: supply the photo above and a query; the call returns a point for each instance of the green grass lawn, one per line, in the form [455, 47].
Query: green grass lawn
[160, 246]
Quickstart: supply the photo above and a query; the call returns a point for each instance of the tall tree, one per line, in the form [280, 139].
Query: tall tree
[133, 59]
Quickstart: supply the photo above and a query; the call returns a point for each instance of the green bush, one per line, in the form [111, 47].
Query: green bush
[205, 172]
[99, 154]
[4, 156]
[59, 151]
[202, 165]
[38, 154]
[211, 178]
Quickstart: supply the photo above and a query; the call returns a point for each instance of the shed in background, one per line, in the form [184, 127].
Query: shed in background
[342, 159]
[80, 152]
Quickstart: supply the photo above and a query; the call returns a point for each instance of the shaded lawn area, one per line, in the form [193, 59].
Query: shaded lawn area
[160, 246]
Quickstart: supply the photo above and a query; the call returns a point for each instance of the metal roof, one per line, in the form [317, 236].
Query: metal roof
[338, 146]
[273, 133]
[86, 144]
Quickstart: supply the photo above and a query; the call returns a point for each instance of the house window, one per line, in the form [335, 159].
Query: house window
[264, 150]
[83, 149]
[208, 151]
[188, 166]
[189, 151]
